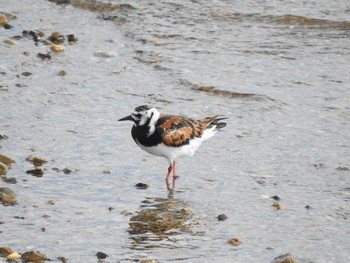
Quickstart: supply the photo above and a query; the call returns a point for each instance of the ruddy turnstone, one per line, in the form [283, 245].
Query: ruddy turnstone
[170, 136]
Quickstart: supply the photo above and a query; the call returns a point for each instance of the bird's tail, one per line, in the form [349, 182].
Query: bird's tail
[219, 123]
[216, 122]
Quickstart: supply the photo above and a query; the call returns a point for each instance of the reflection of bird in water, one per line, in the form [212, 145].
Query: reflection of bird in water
[158, 219]
[170, 136]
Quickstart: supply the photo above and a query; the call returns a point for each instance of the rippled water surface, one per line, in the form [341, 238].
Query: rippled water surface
[278, 70]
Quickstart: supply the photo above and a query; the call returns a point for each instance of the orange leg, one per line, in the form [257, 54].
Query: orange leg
[174, 171]
[171, 168]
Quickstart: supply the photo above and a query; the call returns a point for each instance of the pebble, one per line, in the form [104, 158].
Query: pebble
[8, 26]
[10, 42]
[72, 38]
[222, 217]
[234, 241]
[3, 169]
[7, 191]
[43, 56]
[56, 37]
[57, 48]
[277, 206]
[141, 186]
[286, 258]
[5, 251]
[33, 256]
[38, 172]
[6, 160]
[276, 198]
[101, 255]
[7, 196]
[3, 20]
[3, 137]
[26, 74]
[36, 161]
[13, 256]
[62, 73]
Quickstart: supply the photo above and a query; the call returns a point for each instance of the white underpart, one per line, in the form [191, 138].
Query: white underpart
[172, 153]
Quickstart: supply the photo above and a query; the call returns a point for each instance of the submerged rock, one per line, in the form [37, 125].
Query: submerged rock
[13, 256]
[6, 160]
[38, 172]
[286, 258]
[57, 48]
[3, 20]
[222, 217]
[56, 37]
[7, 196]
[101, 255]
[36, 161]
[277, 206]
[5, 251]
[3, 169]
[234, 241]
[141, 186]
[33, 256]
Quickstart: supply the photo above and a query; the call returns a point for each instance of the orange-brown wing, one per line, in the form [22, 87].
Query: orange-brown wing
[179, 131]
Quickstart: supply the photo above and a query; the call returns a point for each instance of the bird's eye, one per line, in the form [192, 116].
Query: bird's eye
[138, 115]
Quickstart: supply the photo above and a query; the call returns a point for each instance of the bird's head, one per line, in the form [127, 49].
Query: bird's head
[143, 115]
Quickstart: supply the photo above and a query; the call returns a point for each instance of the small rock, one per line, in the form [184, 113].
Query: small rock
[11, 180]
[51, 202]
[222, 217]
[7, 191]
[72, 38]
[110, 209]
[234, 241]
[63, 259]
[26, 74]
[5, 251]
[187, 211]
[33, 256]
[141, 186]
[3, 169]
[101, 255]
[277, 206]
[308, 207]
[57, 48]
[38, 172]
[276, 198]
[56, 37]
[10, 42]
[7, 199]
[342, 168]
[3, 137]
[13, 256]
[3, 20]
[8, 26]
[287, 258]
[38, 161]
[6, 160]
[26, 53]
[43, 56]
[62, 73]
[67, 171]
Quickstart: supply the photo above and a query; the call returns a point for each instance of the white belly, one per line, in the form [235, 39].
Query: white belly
[172, 153]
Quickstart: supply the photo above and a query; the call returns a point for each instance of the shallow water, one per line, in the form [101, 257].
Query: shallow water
[287, 136]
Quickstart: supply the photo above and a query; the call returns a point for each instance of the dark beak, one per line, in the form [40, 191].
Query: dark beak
[127, 118]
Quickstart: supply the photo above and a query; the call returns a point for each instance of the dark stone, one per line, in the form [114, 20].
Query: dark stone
[276, 198]
[101, 255]
[141, 186]
[222, 217]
